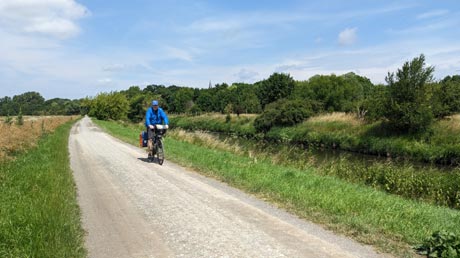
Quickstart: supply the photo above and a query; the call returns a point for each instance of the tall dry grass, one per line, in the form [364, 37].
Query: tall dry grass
[205, 139]
[18, 138]
[337, 117]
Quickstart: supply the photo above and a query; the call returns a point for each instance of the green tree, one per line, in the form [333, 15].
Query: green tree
[283, 112]
[334, 93]
[277, 86]
[244, 99]
[445, 96]
[139, 104]
[304, 91]
[374, 105]
[58, 106]
[85, 105]
[31, 103]
[132, 92]
[183, 100]
[72, 107]
[355, 90]
[6, 106]
[408, 108]
[113, 105]
[205, 101]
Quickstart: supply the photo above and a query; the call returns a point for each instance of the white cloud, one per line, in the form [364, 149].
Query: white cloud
[55, 18]
[347, 36]
[432, 14]
[114, 67]
[178, 53]
[104, 81]
[423, 29]
[208, 25]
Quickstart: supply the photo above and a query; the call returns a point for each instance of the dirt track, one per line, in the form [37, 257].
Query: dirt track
[132, 208]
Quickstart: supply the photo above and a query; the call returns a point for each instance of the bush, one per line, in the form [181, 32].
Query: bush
[441, 244]
[107, 106]
[8, 120]
[282, 113]
[20, 119]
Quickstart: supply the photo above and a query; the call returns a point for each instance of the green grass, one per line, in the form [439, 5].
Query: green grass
[391, 223]
[39, 214]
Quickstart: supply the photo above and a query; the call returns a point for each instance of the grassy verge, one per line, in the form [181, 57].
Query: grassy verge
[428, 184]
[39, 214]
[345, 132]
[391, 223]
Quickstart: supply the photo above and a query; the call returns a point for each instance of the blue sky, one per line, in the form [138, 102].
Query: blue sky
[77, 48]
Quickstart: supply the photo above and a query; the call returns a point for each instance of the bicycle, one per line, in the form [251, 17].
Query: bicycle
[158, 146]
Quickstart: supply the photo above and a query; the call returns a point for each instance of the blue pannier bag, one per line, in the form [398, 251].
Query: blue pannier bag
[143, 138]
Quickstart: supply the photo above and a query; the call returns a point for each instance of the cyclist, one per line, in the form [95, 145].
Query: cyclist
[155, 115]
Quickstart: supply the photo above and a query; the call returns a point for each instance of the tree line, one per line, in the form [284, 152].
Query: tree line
[408, 103]
[33, 103]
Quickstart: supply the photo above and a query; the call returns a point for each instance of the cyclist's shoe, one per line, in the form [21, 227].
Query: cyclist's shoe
[150, 157]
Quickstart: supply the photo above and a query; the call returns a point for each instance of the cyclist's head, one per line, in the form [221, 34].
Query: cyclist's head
[155, 104]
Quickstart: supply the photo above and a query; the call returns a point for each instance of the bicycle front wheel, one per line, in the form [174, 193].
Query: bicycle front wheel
[160, 152]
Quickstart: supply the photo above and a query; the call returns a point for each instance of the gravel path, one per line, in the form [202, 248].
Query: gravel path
[132, 208]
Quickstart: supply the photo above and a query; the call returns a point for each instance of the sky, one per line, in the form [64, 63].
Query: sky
[78, 48]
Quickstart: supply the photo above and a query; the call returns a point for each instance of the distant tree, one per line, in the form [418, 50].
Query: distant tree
[6, 106]
[113, 105]
[277, 86]
[408, 108]
[355, 90]
[334, 93]
[205, 100]
[454, 78]
[58, 106]
[72, 107]
[244, 99]
[183, 100]
[31, 103]
[85, 105]
[167, 95]
[222, 97]
[375, 103]
[132, 92]
[139, 105]
[155, 89]
[445, 96]
[304, 91]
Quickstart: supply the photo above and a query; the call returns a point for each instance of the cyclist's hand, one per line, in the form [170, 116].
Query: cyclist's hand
[151, 126]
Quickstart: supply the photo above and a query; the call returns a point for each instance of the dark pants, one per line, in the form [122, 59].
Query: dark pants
[151, 133]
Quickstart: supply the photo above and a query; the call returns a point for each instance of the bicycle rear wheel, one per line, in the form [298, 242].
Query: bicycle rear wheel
[160, 152]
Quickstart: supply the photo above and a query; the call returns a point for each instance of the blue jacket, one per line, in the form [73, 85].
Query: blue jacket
[154, 118]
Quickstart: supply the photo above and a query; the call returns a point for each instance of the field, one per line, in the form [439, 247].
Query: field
[16, 138]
